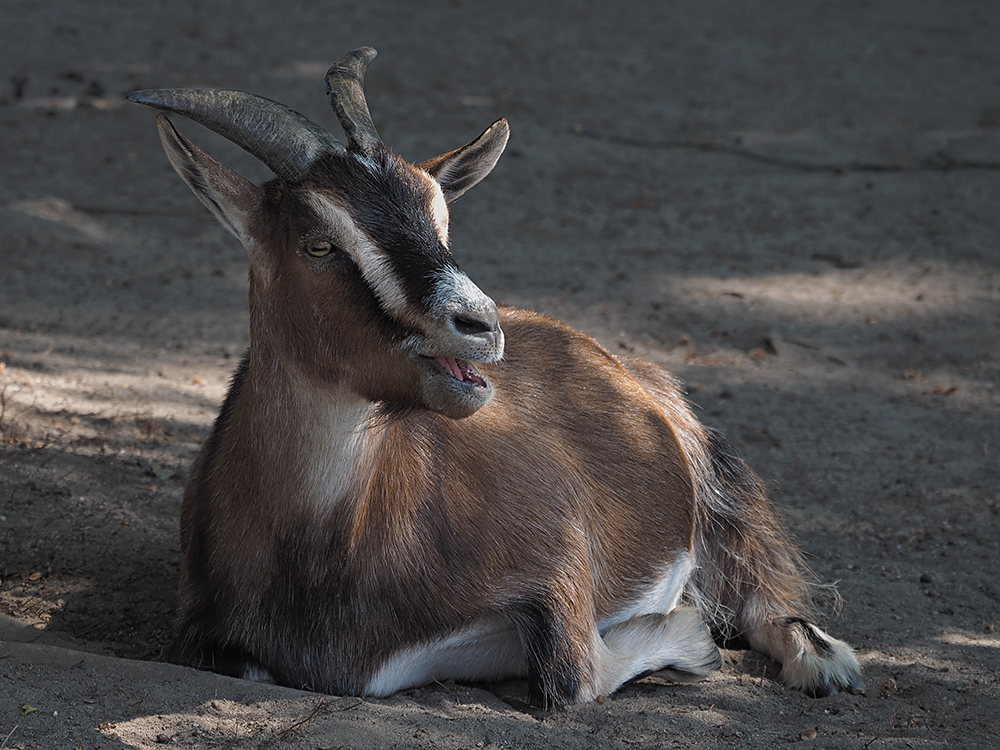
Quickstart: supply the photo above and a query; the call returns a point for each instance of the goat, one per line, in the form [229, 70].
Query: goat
[406, 483]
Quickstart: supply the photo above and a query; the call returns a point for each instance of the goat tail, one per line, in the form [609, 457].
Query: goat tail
[748, 570]
[751, 583]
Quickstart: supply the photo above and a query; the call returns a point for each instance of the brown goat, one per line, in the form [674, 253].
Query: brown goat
[406, 483]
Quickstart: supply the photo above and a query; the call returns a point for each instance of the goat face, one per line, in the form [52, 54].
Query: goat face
[348, 246]
[380, 305]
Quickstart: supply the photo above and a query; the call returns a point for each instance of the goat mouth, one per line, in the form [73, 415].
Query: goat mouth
[461, 370]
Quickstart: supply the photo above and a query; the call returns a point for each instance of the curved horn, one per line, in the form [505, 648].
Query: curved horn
[345, 86]
[285, 141]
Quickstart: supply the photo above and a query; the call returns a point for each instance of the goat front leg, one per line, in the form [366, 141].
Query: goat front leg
[558, 648]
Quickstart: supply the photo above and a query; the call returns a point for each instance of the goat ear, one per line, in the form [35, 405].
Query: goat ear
[232, 198]
[459, 170]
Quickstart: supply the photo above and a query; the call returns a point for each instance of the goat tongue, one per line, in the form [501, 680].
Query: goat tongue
[450, 365]
[460, 370]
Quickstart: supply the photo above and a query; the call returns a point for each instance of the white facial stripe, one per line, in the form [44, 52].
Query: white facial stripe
[439, 210]
[369, 258]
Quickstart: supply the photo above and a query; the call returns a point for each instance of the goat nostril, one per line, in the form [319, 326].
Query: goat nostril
[472, 326]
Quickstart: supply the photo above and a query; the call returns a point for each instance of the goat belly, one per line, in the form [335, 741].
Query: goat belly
[485, 652]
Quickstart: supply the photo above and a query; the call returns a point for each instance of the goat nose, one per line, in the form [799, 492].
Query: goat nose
[475, 324]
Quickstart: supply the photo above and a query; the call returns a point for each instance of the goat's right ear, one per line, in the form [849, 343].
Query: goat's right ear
[232, 198]
[459, 170]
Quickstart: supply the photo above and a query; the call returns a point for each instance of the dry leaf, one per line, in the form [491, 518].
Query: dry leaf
[888, 689]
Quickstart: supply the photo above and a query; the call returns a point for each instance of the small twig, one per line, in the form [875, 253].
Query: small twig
[98, 624]
[301, 722]
[3, 411]
[3, 745]
[800, 342]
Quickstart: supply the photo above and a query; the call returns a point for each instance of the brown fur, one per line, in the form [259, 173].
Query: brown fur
[451, 521]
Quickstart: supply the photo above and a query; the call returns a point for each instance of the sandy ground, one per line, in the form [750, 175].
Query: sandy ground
[793, 206]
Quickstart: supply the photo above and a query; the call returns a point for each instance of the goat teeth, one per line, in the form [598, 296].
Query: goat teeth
[470, 373]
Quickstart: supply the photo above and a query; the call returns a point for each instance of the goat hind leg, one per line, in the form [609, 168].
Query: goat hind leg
[811, 660]
[677, 646]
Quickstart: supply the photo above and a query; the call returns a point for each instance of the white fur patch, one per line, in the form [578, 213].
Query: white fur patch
[257, 673]
[439, 210]
[455, 291]
[456, 294]
[653, 633]
[803, 667]
[331, 438]
[678, 642]
[336, 439]
[487, 651]
[662, 596]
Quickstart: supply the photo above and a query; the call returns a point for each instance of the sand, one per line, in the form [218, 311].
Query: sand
[793, 207]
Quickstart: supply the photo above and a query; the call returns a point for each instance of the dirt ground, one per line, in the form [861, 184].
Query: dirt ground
[793, 206]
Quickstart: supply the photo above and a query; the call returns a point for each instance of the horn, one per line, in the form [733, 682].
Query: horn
[345, 86]
[285, 141]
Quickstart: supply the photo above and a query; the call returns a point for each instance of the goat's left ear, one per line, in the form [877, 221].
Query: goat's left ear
[459, 170]
[231, 197]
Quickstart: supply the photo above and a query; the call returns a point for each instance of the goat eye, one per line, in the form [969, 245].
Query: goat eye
[319, 249]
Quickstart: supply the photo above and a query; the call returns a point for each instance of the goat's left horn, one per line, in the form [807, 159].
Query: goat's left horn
[286, 141]
[345, 86]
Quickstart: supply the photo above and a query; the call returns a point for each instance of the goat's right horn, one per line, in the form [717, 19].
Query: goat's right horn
[284, 140]
[345, 86]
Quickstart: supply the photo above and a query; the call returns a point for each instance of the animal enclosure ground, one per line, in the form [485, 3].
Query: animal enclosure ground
[792, 207]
